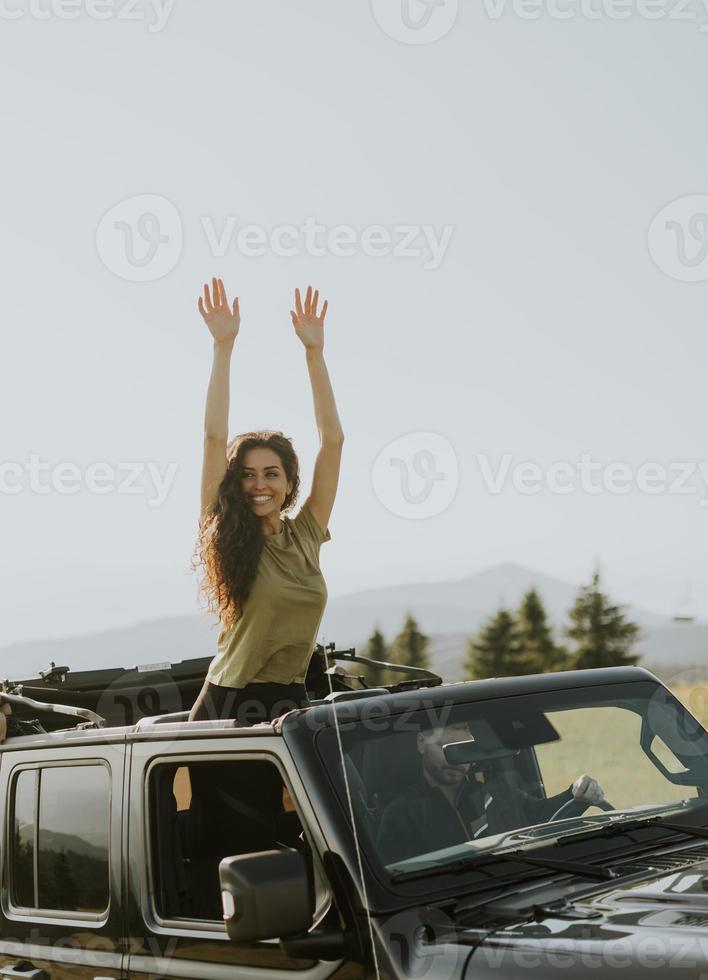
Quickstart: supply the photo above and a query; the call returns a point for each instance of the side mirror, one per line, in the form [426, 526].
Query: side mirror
[265, 895]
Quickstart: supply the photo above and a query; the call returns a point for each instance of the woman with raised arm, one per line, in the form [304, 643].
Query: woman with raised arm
[262, 575]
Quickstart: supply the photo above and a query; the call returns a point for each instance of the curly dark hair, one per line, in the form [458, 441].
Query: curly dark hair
[230, 538]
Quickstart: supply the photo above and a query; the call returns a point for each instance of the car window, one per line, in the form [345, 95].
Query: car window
[60, 845]
[604, 741]
[457, 778]
[202, 812]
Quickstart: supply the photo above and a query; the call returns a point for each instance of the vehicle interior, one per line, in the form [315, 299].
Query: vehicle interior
[377, 777]
[545, 747]
[208, 811]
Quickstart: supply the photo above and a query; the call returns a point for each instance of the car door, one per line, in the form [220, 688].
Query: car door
[181, 824]
[61, 913]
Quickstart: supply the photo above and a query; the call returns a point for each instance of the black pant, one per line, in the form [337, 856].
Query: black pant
[254, 703]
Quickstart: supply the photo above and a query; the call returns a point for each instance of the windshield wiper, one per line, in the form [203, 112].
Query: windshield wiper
[520, 856]
[634, 823]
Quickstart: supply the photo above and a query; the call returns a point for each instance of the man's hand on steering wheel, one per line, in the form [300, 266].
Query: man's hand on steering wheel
[587, 788]
[586, 792]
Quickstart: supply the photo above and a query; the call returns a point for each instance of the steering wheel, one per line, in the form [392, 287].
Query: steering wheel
[575, 807]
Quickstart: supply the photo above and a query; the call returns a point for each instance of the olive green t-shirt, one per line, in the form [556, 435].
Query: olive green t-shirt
[275, 635]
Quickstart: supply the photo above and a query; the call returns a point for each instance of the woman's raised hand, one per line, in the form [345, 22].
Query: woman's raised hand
[222, 322]
[308, 325]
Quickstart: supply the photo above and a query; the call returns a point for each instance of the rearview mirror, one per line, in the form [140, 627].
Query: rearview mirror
[460, 753]
[265, 895]
[499, 737]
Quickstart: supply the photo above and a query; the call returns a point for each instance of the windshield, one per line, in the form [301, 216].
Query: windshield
[453, 779]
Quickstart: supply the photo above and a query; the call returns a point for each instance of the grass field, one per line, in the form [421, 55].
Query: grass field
[604, 742]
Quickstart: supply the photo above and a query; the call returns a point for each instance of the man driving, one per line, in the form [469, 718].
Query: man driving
[452, 804]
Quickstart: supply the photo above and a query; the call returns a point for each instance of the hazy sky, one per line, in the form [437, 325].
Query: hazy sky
[484, 185]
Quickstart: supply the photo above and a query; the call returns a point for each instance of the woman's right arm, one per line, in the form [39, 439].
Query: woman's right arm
[223, 326]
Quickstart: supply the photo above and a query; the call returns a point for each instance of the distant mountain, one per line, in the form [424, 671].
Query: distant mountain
[63, 843]
[448, 612]
[172, 639]
[455, 606]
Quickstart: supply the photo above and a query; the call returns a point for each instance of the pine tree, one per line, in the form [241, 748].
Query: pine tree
[410, 647]
[377, 649]
[542, 653]
[496, 651]
[60, 889]
[603, 636]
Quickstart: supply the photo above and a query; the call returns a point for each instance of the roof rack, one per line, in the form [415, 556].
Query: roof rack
[115, 692]
[54, 674]
[90, 717]
[420, 677]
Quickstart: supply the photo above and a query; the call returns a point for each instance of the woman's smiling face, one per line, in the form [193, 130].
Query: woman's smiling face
[264, 483]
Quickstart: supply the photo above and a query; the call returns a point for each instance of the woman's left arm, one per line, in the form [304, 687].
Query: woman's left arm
[310, 329]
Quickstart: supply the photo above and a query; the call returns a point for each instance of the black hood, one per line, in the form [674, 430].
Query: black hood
[657, 926]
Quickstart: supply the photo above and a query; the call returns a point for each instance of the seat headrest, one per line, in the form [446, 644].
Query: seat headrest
[390, 765]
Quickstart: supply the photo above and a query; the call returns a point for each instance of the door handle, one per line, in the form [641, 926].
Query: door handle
[24, 970]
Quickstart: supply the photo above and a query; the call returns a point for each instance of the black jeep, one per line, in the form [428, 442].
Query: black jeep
[427, 830]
